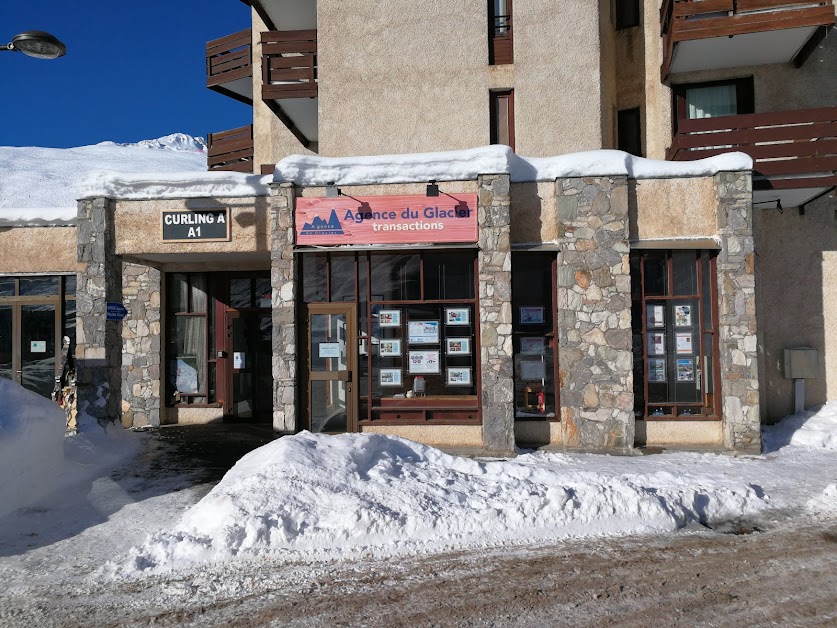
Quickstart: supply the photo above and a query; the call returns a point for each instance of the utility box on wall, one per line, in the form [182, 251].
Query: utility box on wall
[801, 363]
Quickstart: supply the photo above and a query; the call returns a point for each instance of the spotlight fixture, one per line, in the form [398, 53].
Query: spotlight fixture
[332, 191]
[432, 188]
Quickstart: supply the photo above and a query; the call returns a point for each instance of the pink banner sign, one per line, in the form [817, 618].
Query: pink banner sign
[386, 219]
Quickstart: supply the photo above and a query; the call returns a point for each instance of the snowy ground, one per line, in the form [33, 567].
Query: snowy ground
[306, 514]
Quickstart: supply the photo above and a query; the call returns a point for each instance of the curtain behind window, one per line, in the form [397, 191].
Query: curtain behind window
[711, 102]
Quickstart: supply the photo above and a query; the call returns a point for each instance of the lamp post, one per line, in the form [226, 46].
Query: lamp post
[36, 44]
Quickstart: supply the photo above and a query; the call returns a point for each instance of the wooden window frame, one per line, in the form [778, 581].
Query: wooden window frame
[494, 99]
[500, 46]
[744, 97]
[170, 317]
[715, 413]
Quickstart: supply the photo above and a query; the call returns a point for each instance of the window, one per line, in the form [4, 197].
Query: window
[534, 305]
[675, 334]
[629, 131]
[626, 13]
[500, 42]
[187, 333]
[710, 100]
[502, 117]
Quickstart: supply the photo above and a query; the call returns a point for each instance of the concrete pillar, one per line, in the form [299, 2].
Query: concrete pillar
[494, 264]
[98, 341]
[737, 313]
[141, 346]
[594, 314]
[283, 284]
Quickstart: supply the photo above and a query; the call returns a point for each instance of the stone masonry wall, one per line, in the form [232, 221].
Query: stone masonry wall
[283, 283]
[494, 263]
[737, 313]
[141, 346]
[98, 344]
[594, 314]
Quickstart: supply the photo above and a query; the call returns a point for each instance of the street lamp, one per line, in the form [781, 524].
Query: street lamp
[37, 44]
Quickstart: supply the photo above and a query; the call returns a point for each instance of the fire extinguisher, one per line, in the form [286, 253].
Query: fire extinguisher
[541, 402]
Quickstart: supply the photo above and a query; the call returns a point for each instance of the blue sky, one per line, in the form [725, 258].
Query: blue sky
[133, 71]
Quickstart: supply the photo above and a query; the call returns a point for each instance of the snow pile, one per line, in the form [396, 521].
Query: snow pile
[815, 428]
[173, 185]
[38, 185]
[324, 495]
[31, 437]
[309, 170]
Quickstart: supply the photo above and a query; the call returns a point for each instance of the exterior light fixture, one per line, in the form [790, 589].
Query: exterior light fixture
[432, 188]
[332, 191]
[37, 44]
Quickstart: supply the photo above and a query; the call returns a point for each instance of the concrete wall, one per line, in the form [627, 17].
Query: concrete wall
[797, 298]
[38, 250]
[672, 208]
[367, 106]
[138, 227]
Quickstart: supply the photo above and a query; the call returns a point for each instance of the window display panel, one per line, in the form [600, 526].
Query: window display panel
[533, 315]
[672, 349]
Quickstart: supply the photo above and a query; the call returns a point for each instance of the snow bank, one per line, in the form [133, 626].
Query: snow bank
[31, 437]
[37, 216]
[172, 185]
[815, 428]
[325, 495]
[308, 170]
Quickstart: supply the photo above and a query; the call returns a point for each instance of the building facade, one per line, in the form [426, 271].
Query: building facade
[475, 298]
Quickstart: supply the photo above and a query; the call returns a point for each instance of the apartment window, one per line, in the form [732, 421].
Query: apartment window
[675, 334]
[626, 13]
[711, 100]
[502, 117]
[188, 335]
[629, 131]
[500, 43]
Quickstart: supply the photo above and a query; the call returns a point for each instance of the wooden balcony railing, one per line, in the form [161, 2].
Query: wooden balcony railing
[289, 64]
[801, 144]
[688, 20]
[231, 150]
[228, 59]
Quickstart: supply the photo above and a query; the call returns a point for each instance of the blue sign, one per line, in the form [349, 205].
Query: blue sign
[116, 311]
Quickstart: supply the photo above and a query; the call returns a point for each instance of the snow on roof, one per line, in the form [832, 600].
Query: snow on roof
[173, 185]
[309, 170]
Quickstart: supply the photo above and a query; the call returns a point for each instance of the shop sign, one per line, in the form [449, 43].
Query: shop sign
[386, 219]
[205, 225]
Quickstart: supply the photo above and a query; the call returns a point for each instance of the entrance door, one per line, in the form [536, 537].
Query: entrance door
[250, 384]
[28, 345]
[331, 344]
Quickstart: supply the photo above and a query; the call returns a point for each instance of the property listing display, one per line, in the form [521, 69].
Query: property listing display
[675, 333]
[386, 219]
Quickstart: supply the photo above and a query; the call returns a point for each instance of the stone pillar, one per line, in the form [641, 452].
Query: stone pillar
[494, 264]
[737, 313]
[98, 343]
[594, 314]
[283, 284]
[141, 346]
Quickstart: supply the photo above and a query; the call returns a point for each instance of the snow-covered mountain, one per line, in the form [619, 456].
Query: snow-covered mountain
[34, 178]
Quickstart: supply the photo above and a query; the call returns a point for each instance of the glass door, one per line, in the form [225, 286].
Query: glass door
[7, 368]
[331, 344]
[37, 350]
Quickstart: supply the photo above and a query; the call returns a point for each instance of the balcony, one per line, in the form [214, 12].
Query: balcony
[289, 80]
[794, 152]
[231, 150]
[715, 34]
[229, 66]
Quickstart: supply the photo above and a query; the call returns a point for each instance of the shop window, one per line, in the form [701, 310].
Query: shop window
[501, 108]
[500, 41]
[626, 13]
[534, 331]
[629, 131]
[187, 334]
[675, 334]
[710, 100]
